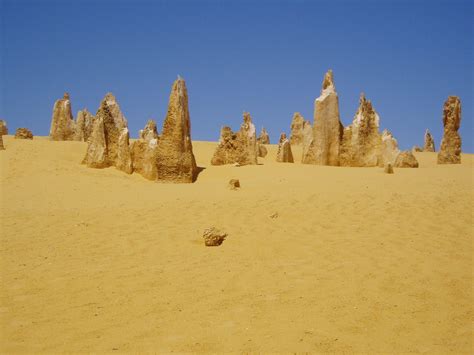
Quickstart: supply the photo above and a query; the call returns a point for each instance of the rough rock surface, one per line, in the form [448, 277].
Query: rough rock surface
[307, 140]
[234, 184]
[361, 141]
[213, 237]
[84, 125]
[149, 132]
[388, 169]
[450, 150]
[429, 145]
[124, 157]
[144, 152]
[175, 158]
[2, 147]
[144, 158]
[62, 123]
[3, 127]
[96, 154]
[406, 159]
[102, 150]
[389, 148]
[264, 138]
[262, 151]
[297, 126]
[284, 154]
[240, 147]
[114, 108]
[327, 129]
[417, 148]
[23, 133]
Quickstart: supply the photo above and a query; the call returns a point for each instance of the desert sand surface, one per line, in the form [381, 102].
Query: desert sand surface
[318, 258]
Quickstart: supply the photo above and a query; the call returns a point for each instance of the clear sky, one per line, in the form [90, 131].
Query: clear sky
[265, 57]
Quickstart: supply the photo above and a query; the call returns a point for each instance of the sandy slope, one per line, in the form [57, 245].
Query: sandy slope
[357, 260]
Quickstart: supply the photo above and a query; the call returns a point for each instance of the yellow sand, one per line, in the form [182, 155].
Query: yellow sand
[356, 260]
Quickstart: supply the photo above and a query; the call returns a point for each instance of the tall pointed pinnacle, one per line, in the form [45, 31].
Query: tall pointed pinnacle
[327, 128]
[176, 162]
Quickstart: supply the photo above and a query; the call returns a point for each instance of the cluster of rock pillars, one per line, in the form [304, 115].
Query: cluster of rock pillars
[169, 157]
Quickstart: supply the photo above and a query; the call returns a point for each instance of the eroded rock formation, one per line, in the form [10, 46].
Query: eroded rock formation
[23, 133]
[361, 141]
[144, 152]
[2, 147]
[213, 237]
[149, 132]
[297, 127]
[389, 148]
[234, 184]
[124, 158]
[388, 168]
[144, 158]
[175, 158]
[103, 145]
[406, 159]
[264, 138]
[62, 123]
[429, 142]
[327, 129]
[284, 154]
[84, 125]
[240, 147]
[3, 128]
[307, 140]
[261, 150]
[450, 150]
[114, 109]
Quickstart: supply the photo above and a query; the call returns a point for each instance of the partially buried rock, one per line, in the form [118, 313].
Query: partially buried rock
[264, 138]
[62, 122]
[3, 128]
[23, 133]
[417, 149]
[175, 158]
[429, 142]
[284, 154]
[406, 159]
[450, 150]
[213, 237]
[262, 150]
[234, 184]
[1, 143]
[240, 147]
[361, 143]
[388, 169]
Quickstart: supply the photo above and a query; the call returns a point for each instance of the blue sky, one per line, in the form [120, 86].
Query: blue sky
[265, 57]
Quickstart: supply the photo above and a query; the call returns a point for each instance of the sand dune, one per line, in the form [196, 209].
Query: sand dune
[356, 260]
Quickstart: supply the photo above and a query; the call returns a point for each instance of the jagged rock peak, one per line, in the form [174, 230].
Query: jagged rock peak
[114, 108]
[328, 81]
